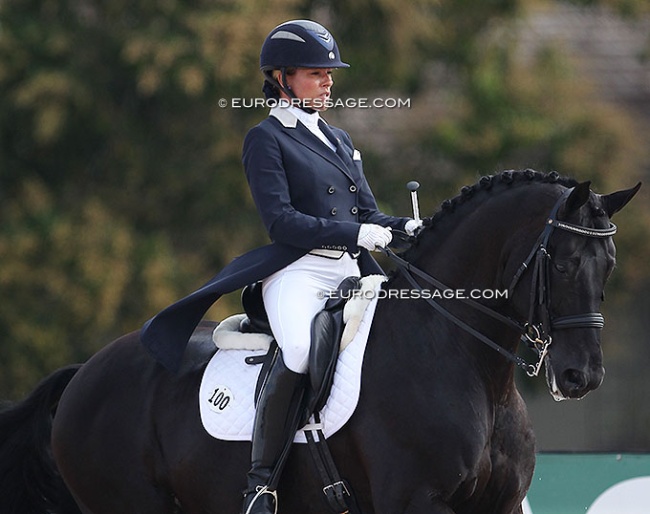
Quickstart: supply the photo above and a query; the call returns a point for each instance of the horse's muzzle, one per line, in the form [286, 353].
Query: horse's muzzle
[573, 384]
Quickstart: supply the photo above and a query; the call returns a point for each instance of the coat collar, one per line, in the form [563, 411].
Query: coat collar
[284, 116]
[300, 133]
[290, 115]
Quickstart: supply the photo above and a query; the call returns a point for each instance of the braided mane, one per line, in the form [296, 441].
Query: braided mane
[502, 180]
[505, 178]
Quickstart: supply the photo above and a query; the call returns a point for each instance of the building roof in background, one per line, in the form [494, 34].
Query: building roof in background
[613, 52]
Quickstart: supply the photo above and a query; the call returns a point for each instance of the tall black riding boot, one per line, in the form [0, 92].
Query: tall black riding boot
[276, 421]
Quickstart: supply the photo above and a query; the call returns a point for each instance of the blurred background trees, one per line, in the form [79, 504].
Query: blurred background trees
[121, 185]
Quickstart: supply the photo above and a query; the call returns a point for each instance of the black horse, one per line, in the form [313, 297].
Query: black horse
[440, 427]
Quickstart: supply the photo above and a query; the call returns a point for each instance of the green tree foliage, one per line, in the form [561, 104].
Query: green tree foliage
[119, 171]
[121, 186]
[511, 107]
[390, 41]
[68, 281]
[512, 110]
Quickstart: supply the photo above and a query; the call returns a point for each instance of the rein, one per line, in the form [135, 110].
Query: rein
[536, 336]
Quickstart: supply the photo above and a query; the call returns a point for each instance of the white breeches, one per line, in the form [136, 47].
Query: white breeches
[295, 294]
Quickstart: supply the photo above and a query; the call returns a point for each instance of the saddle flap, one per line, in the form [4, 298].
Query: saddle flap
[229, 374]
[326, 331]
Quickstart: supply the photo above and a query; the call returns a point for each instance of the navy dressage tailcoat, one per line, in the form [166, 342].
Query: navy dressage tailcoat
[308, 196]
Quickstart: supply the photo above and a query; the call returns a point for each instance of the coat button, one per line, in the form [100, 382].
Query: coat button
[354, 210]
[353, 188]
[331, 190]
[333, 211]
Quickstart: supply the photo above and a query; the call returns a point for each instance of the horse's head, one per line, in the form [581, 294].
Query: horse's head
[578, 262]
[554, 279]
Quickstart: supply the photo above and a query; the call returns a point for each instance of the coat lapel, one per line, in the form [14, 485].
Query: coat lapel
[340, 148]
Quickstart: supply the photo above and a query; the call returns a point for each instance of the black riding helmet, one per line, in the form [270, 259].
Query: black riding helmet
[297, 44]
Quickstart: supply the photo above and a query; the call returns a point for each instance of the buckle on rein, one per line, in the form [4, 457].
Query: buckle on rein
[534, 340]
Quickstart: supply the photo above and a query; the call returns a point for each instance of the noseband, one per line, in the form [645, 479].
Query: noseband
[536, 332]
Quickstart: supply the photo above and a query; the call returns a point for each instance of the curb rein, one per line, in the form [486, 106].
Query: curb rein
[536, 336]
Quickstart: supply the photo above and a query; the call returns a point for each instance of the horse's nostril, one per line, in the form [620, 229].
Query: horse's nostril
[574, 381]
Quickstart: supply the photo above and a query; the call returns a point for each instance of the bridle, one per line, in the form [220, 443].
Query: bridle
[536, 332]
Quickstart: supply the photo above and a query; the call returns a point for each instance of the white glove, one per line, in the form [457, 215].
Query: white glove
[412, 226]
[373, 236]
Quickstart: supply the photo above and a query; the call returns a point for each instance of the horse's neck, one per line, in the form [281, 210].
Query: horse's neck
[471, 247]
[468, 252]
[466, 256]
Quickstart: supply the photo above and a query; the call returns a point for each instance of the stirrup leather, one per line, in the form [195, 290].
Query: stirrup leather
[259, 491]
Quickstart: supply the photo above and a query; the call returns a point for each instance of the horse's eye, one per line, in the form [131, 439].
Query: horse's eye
[560, 267]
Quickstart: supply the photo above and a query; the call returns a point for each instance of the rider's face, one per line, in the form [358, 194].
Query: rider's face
[312, 85]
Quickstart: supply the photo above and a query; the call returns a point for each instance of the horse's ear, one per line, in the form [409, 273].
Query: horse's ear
[578, 197]
[614, 202]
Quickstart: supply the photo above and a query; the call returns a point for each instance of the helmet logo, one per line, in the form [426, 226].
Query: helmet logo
[284, 34]
[331, 55]
[325, 36]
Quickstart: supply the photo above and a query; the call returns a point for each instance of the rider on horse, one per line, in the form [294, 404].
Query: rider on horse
[307, 182]
[308, 185]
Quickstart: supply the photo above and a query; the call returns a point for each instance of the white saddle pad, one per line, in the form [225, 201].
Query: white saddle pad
[226, 395]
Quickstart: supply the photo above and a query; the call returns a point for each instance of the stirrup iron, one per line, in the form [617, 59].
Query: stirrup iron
[261, 490]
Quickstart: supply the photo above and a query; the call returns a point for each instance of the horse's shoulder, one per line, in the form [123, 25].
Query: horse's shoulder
[513, 442]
